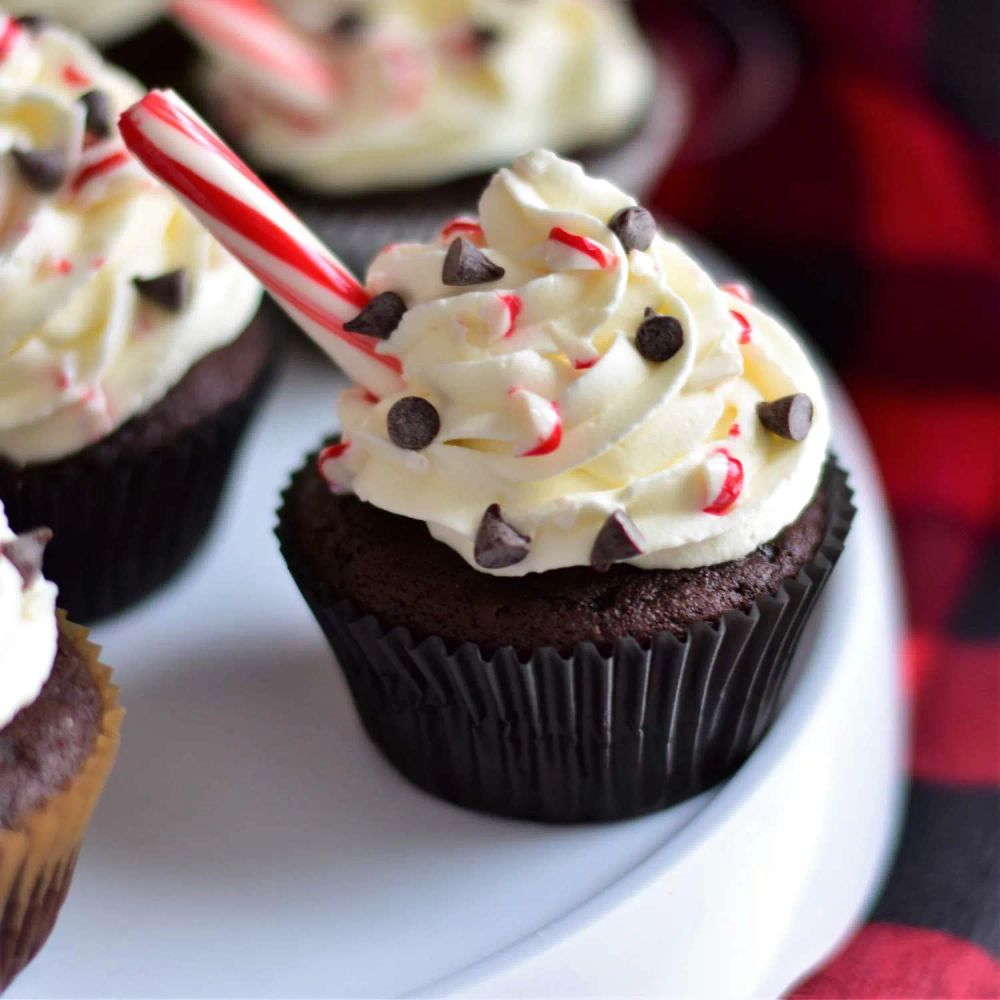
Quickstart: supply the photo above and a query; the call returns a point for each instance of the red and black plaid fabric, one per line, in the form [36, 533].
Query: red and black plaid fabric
[845, 154]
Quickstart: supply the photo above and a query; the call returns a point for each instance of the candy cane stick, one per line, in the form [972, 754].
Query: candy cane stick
[274, 56]
[309, 283]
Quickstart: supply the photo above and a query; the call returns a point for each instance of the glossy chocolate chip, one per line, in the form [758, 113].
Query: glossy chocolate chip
[26, 553]
[485, 36]
[348, 25]
[98, 108]
[466, 264]
[33, 23]
[789, 417]
[659, 338]
[169, 291]
[380, 317]
[618, 539]
[42, 169]
[499, 544]
[634, 226]
[412, 423]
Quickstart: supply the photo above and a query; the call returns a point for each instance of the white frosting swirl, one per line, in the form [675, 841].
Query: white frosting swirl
[81, 351]
[654, 440]
[422, 102]
[28, 627]
[102, 21]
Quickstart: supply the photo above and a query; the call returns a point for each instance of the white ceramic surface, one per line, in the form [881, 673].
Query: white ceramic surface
[252, 843]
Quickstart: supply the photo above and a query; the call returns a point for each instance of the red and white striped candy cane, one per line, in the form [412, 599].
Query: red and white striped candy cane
[276, 56]
[309, 282]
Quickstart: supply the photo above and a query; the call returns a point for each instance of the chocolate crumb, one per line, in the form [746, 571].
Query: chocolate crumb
[169, 291]
[42, 169]
[618, 539]
[659, 338]
[98, 108]
[380, 317]
[634, 226]
[789, 417]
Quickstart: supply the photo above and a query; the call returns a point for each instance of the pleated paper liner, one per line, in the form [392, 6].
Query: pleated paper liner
[38, 857]
[594, 735]
[123, 528]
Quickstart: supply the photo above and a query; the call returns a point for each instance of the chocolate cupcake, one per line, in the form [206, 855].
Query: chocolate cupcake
[130, 356]
[565, 565]
[132, 34]
[425, 100]
[59, 725]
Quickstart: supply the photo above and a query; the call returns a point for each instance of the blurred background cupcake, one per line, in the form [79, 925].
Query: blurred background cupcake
[130, 356]
[380, 119]
[136, 35]
[60, 722]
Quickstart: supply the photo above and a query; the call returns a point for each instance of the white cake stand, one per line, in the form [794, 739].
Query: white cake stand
[253, 844]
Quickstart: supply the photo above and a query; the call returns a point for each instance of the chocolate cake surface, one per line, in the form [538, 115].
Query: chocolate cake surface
[392, 567]
[46, 743]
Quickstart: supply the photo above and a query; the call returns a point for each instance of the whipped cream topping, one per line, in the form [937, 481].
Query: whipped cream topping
[553, 406]
[429, 91]
[102, 21]
[28, 627]
[83, 346]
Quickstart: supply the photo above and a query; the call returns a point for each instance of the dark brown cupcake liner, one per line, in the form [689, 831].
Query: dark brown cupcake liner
[38, 855]
[122, 528]
[595, 735]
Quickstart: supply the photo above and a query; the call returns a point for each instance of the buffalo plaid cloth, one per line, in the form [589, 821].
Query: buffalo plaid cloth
[845, 153]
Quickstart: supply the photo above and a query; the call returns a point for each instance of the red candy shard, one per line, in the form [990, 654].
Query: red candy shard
[98, 168]
[463, 226]
[734, 431]
[10, 31]
[732, 486]
[738, 289]
[588, 248]
[547, 446]
[75, 76]
[745, 327]
[514, 306]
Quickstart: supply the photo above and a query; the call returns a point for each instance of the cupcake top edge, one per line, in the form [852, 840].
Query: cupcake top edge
[27, 619]
[111, 290]
[102, 21]
[425, 92]
[577, 389]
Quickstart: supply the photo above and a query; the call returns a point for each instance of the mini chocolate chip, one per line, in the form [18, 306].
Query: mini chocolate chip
[412, 423]
[618, 539]
[42, 169]
[380, 317]
[485, 36]
[349, 25]
[169, 291]
[659, 338]
[499, 544]
[789, 417]
[98, 108]
[26, 552]
[32, 23]
[634, 226]
[466, 264]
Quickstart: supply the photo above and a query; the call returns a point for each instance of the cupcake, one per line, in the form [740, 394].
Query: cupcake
[422, 100]
[130, 353]
[133, 34]
[60, 720]
[565, 564]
